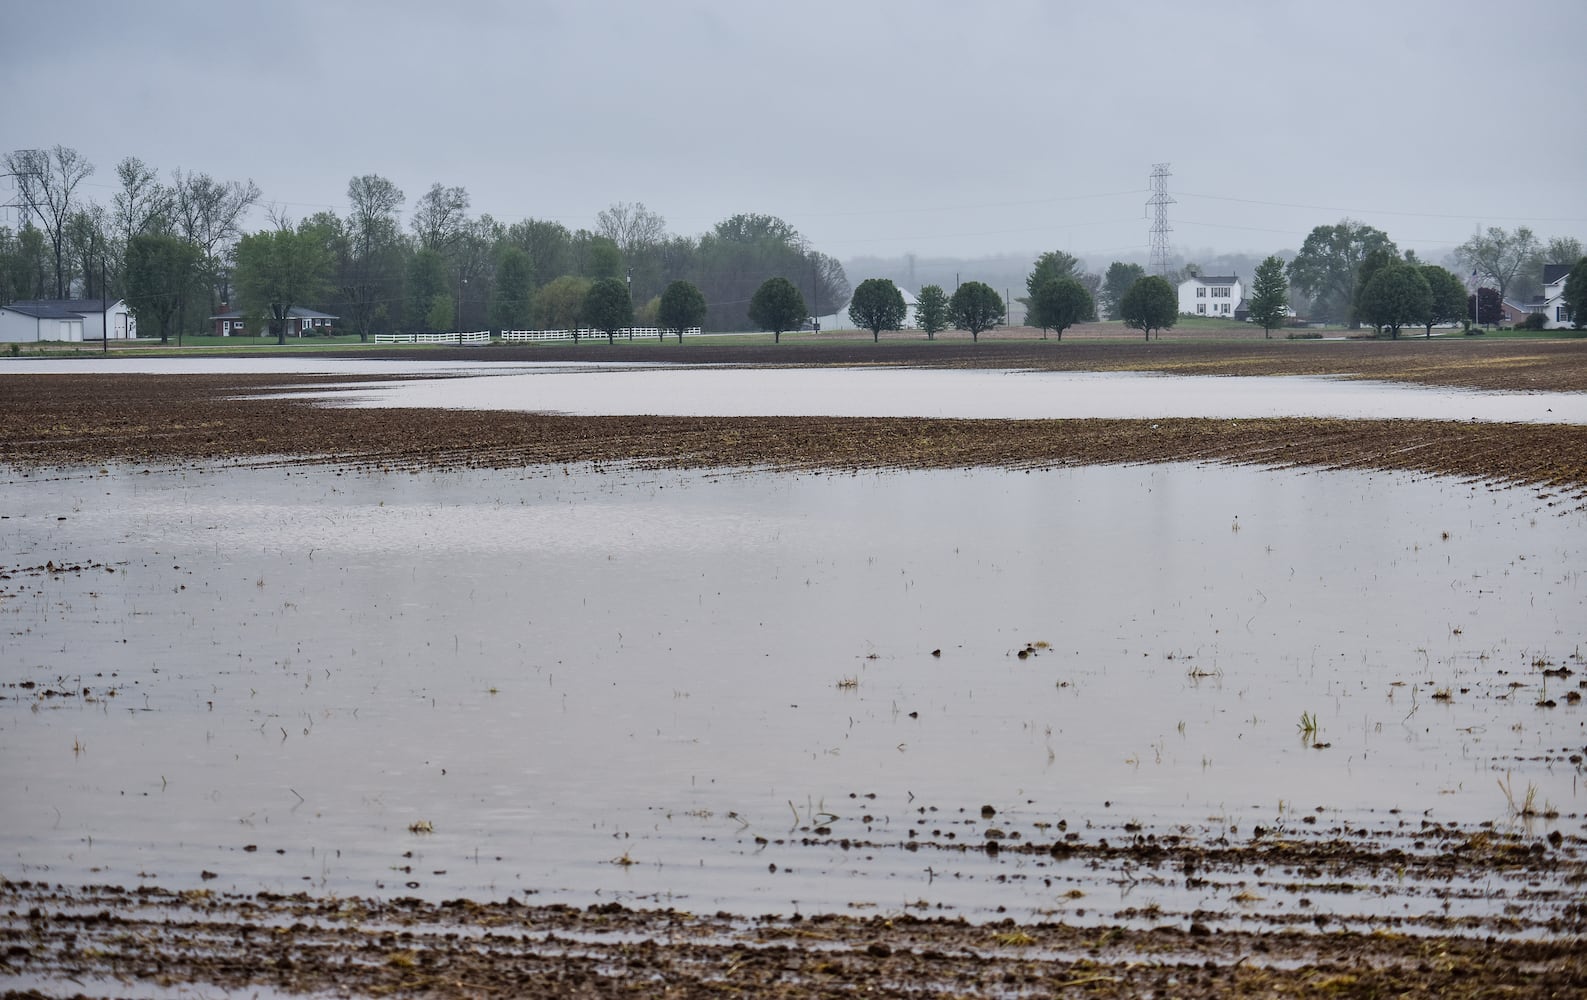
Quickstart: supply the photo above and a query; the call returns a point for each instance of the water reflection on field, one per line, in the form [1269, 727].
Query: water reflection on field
[558, 670]
[592, 388]
[990, 394]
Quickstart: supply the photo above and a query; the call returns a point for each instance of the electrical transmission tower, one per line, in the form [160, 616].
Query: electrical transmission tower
[1160, 201]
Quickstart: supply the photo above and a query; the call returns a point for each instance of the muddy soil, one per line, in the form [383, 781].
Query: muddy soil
[1465, 362]
[69, 419]
[116, 941]
[106, 940]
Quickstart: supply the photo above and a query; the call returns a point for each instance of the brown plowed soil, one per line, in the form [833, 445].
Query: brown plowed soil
[98, 938]
[70, 419]
[1471, 362]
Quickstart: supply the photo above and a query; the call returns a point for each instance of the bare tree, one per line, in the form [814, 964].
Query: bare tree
[370, 274]
[1497, 255]
[374, 202]
[46, 181]
[631, 226]
[143, 205]
[85, 247]
[209, 215]
[440, 217]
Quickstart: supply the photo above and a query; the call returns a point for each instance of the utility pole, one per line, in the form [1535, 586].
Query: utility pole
[1159, 202]
[104, 307]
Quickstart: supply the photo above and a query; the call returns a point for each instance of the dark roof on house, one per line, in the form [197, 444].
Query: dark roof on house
[1224, 279]
[296, 312]
[75, 305]
[42, 310]
[1554, 272]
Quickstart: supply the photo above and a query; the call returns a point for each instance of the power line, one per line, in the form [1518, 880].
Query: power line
[1379, 211]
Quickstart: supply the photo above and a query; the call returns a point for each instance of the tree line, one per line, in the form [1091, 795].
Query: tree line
[178, 248]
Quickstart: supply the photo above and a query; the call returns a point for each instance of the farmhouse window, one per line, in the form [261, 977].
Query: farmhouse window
[1201, 308]
[1201, 293]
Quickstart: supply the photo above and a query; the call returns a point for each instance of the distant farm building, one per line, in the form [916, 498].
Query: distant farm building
[1210, 295]
[300, 321]
[21, 323]
[94, 316]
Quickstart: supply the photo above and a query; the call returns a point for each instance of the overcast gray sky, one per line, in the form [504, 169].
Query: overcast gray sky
[945, 128]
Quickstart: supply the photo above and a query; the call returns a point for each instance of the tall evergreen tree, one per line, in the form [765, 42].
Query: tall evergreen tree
[1269, 296]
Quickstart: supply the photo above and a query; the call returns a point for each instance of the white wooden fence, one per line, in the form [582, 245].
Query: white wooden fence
[521, 336]
[477, 337]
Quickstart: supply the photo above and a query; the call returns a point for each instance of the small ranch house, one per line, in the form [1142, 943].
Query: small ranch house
[30, 324]
[97, 316]
[299, 321]
[1210, 295]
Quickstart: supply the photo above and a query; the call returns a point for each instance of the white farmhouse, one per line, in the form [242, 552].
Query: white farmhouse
[1210, 295]
[31, 324]
[1556, 313]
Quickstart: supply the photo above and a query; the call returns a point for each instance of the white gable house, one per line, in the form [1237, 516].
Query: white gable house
[1210, 295]
[1556, 313]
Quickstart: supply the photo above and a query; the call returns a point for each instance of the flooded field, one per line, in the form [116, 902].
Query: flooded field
[590, 388]
[981, 394]
[1102, 694]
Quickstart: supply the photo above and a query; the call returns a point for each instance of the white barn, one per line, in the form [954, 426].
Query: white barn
[840, 320]
[32, 324]
[1210, 295]
[97, 316]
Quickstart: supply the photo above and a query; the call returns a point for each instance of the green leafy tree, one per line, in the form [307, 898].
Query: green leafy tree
[1269, 295]
[1150, 304]
[548, 244]
[975, 306]
[1376, 260]
[1053, 264]
[1446, 300]
[160, 269]
[682, 308]
[741, 253]
[603, 259]
[1325, 269]
[1050, 266]
[931, 310]
[1497, 256]
[777, 306]
[608, 308]
[1116, 282]
[1396, 295]
[427, 282]
[561, 303]
[512, 294]
[279, 270]
[442, 312]
[1576, 294]
[1059, 303]
[878, 305]
[648, 313]
[24, 264]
